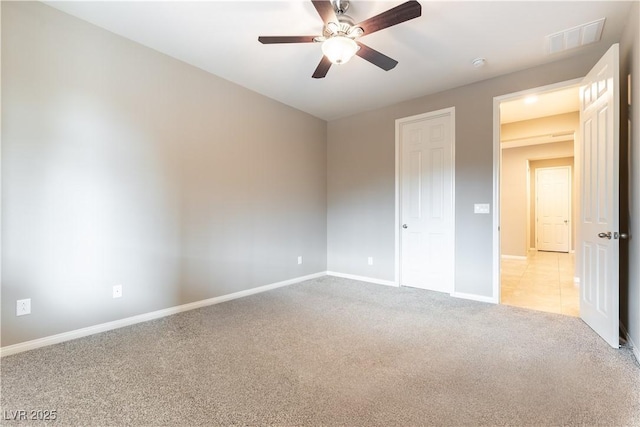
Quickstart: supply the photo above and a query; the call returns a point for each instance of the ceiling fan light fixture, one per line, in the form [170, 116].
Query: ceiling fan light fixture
[339, 49]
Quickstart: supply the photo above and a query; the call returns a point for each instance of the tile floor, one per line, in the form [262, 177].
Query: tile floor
[544, 281]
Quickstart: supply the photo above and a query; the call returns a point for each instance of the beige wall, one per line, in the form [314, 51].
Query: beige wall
[551, 163]
[513, 190]
[517, 228]
[121, 165]
[568, 122]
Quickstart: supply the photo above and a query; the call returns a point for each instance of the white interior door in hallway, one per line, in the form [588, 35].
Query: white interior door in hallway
[598, 256]
[553, 209]
[425, 147]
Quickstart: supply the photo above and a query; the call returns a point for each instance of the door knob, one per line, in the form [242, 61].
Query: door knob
[606, 235]
[405, 226]
[623, 236]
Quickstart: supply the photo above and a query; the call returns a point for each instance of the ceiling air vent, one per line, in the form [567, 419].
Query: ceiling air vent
[575, 37]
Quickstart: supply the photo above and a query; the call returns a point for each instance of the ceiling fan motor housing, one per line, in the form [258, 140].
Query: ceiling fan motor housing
[344, 27]
[340, 6]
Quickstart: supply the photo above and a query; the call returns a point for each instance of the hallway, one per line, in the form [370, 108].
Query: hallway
[543, 281]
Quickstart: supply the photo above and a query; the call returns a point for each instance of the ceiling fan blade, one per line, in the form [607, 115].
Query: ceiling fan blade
[325, 10]
[322, 68]
[394, 16]
[375, 57]
[285, 39]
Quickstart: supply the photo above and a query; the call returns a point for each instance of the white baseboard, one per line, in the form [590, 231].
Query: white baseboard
[513, 257]
[79, 333]
[363, 278]
[634, 347]
[474, 297]
[394, 284]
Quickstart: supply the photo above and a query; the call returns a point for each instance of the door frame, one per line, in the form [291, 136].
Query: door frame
[497, 169]
[451, 112]
[570, 202]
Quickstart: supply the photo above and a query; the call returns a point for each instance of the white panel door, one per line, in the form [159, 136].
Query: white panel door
[599, 220]
[553, 208]
[426, 201]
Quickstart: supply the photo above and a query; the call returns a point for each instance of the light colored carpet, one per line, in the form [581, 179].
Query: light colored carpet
[333, 352]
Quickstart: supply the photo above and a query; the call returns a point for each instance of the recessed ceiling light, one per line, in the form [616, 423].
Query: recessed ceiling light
[531, 99]
[479, 62]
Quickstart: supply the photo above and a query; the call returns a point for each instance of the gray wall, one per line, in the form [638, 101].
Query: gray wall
[121, 165]
[361, 176]
[630, 163]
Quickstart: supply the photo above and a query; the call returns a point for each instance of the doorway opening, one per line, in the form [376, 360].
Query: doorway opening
[537, 200]
[597, 154]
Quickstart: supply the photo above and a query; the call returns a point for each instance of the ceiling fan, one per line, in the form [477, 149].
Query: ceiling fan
[340, 33]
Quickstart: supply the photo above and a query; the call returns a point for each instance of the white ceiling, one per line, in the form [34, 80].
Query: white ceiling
[546, 104]
[434, 51]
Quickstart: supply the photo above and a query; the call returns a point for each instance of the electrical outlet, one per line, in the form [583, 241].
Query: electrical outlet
[23, 306]
[370, 260]
[300, 260]
[117, 291]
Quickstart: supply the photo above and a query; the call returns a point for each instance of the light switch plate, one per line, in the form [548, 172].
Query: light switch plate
[23, 306]
[481, 208]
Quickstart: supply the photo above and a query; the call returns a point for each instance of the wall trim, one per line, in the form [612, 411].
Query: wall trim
[560, 136]
[363, 279]
[513, 257]
[474, 297]
[116, 324]
[461, 295]
[128, 321]
[634, 348]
